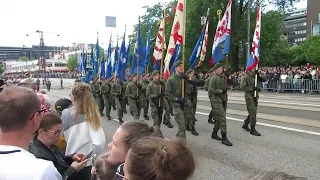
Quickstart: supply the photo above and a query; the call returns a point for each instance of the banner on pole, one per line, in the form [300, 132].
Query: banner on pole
[111, 21]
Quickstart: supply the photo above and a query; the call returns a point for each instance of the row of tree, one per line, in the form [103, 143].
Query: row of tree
[274, 48]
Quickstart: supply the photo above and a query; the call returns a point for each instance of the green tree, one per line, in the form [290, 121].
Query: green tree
[1, 69]
[24, 58]
[72, 63]
[273, 45]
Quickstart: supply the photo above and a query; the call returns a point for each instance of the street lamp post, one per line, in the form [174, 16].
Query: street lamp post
[42, 53]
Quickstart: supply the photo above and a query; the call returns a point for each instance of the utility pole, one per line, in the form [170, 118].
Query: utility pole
[248, 30]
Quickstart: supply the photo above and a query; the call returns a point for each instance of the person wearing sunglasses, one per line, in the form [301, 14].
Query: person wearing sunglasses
[43, 147]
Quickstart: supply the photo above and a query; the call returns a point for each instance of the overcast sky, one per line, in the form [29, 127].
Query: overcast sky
[75, 21]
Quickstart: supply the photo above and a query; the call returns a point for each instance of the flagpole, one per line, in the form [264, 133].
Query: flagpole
[98, 59]
[205, 27]
[184, 42]
[138, 57]
[257, 66]
[162, 46]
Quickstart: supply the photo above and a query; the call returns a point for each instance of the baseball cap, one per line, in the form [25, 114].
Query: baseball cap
[62, 104]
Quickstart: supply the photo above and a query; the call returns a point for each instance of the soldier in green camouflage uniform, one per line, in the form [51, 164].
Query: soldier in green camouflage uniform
[133, 93]
[116, 91]
[167, 110]
[189, 113]
[106, 93]
[155, 93]
[206, 86]
[219, 97]
[248, 86]
[144, 100]
[98, 95]
[125, 84]
[174, 92]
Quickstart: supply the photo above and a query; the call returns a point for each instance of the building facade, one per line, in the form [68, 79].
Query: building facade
[52, 65]
[295, 26]
[313, 17]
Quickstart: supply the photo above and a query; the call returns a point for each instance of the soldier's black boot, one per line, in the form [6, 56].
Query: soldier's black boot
[188, 128]
[194, 132]
[215, 136]
[109, 117]
[210, 121]
[146, 117]
[121, 121]
[245, 126]
[225, 140]
[169, 125]
[254, 131]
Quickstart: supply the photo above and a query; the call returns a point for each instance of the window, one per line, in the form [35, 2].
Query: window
[316, 29]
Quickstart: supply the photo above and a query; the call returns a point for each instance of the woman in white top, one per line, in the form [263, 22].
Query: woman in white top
[82, 126]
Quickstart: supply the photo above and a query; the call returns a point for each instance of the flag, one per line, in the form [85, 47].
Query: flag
[175, 57]
[124, 66]
[157, 52]
[196, 51]
[204, 43]
[121, 58]
[221, 42]
[147, 50]
[83, 67]
[176, 35]
[102, 68]
[108, 60]
[139, 52]
[134, 59]
[255, 48]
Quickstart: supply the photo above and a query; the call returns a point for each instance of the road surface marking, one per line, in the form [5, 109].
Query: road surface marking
[271, 125]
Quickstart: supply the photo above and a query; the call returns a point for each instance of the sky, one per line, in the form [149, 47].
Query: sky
[75, 21]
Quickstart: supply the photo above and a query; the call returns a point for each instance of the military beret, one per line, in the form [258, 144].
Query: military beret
[189, 71]
[216, 66]
[210, 70]
[143, 74]
[133, 74]
[177, 63]
[155, 72]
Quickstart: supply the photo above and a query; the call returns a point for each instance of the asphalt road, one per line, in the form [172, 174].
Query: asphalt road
[290, 140]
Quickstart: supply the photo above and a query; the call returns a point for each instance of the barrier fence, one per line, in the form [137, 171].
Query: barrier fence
[293, 85]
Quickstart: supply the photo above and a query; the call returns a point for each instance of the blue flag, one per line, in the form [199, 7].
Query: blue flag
[196, 51]
[139, 51]
[102, 68]
[122, 59]
[175, 57]
[147, 51]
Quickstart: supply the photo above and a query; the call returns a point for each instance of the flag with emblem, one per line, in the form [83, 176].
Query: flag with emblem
[157, 52]
[108, 60]
[176, 35]
[204, 42]
[221, 42]
[147, 48]
[255, 48]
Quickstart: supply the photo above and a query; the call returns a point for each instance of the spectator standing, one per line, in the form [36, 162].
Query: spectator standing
[82, 126]
[20, 117]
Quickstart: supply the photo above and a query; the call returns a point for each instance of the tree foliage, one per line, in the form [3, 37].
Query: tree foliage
[72, 63]
[1, 69]
[24, 58]
[274, 48]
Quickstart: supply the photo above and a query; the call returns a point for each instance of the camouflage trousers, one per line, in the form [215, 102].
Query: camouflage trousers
[156, 112]
[145, 106]
[107, 104]
[100, 102]
[252, 106]
[118, 101]
[179, 117]
[135, 107]
[189, 115]
[219, 111]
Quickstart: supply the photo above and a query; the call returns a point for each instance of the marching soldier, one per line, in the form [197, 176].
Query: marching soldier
[189, 113]
[98, 95]
[125, 84]
[167, 111]
[117, 92]
[211, 73]
[144, 100]
[133, 93]
[155, 95]
[174, 92]
[219, 97]
[247, 84]
[106, 93]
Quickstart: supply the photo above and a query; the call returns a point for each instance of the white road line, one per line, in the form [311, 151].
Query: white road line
[270, 125]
